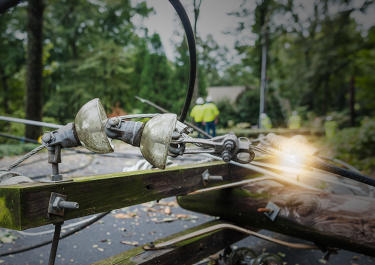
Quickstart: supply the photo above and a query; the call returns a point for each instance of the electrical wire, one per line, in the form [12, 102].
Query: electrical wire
[267, 172]
[19, 138]
[52, 230]
[311, 174]
[5, 5]
[192, 54]
[41, 244]
[214, 228]
[336, 170]
[340, 162]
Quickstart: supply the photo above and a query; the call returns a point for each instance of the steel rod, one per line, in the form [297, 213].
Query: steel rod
[55, 243]
[30, 122]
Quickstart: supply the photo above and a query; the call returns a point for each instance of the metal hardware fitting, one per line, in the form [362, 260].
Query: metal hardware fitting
[207, 177]
[228, 147]
[58, 202]
[273, 211]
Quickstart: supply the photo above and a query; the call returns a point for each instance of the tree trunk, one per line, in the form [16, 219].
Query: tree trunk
[34, 76]
[196, 16]
[352, 101]
[325, 95]
[5, 87]
[329, 219]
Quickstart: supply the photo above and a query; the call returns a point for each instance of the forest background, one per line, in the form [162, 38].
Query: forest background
[321, 65]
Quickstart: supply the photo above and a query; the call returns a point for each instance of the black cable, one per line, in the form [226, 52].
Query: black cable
[337, 170]
[19, 138]
[41, 244]
[341, 163]
[192, 53]
[6, 4]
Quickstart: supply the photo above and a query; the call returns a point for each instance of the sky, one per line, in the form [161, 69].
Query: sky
[214, 20]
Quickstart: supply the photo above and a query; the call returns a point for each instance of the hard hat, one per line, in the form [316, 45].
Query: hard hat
[263, 116]
[295, 113]
[209, 99]
[328, 118]
[199, 101]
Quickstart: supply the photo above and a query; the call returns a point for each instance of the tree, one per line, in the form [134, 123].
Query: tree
[95, 46]
[12, 59]
[156, 82]
[34, 92]
[197, 7]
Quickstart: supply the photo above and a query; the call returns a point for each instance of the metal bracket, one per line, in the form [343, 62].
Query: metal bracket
[207, 177]
[57, 204]
[55, 210]
[274, 211]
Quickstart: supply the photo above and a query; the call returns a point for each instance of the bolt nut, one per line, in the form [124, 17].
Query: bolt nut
[229, 146]
[114, 121]
[46, 137]
[226, 156]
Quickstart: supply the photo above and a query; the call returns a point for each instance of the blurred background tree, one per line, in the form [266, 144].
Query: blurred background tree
[93, 49]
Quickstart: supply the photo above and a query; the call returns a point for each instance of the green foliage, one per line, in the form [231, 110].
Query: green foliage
[357, 145]
[12, 60]
[156, 79]
[15, 149]
[227, 113]
[246, 109]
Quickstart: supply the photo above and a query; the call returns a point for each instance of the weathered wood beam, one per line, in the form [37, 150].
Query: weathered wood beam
[185, 253]
[25, 206]
[335, 220]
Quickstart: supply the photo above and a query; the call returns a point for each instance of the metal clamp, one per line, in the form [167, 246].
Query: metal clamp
[58, 202]
[207, 177]
[273, 211]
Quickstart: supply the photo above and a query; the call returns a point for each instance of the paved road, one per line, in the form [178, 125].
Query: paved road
[103, 239]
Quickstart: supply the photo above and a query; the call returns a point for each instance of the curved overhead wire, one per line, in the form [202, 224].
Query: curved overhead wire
[192, 52]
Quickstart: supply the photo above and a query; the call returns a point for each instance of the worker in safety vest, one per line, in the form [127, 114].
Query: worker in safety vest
[210, 118]
[294, 121]
[265, 121]
[197, 114]
[330, 127]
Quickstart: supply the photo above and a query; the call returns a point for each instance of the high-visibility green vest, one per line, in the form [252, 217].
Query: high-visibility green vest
[210, 112]
[295, 122]
[330, 128]
[197, 113]
[266, 123]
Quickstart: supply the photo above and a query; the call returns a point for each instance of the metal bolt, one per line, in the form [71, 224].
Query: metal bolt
[60, 203]
[114, 121]
[68, 205]
[215, 178]
[265, 210]
[226, 156]
[46, 137]
[229, 146]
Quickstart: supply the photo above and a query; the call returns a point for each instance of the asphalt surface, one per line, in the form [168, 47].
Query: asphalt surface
[103, 238]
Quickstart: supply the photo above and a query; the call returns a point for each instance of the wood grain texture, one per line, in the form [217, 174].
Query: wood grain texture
[343, 221]
[25, 206]
[185, 253]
